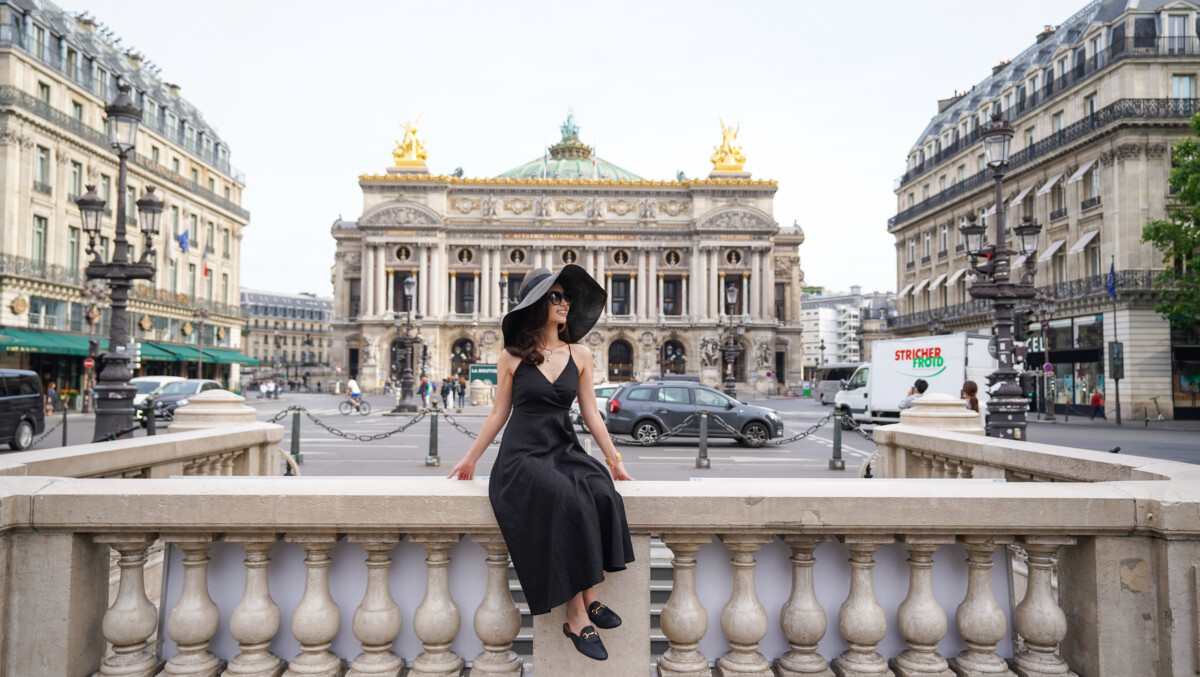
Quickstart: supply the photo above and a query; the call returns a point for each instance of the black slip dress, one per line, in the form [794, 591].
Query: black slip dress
[560, 514]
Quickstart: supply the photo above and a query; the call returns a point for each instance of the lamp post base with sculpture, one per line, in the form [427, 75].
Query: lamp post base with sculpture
[403, 360]
[732, 347]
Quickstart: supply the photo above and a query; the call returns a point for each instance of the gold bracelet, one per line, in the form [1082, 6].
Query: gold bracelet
[609, 460]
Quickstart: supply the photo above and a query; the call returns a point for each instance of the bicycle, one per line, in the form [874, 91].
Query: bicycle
[349, 406]
[1160, 414]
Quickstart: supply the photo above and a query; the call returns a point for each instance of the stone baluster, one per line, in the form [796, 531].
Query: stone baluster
[979, 618]
[803, 618]
[926, 463]
[1039, 619]
[131, 619]
[436, 620]
[255, 620]
[921, 618]
[497, 619]
[862, 621]
[227, 463]
[193, 621]
[684, 620]
[743, 618]
[377, 619]
[316, 618]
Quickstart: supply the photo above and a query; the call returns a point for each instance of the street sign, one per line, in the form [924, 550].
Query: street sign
[482, 372]
[994, 346]
[338, 368]
[1048, 367]
[88, 363]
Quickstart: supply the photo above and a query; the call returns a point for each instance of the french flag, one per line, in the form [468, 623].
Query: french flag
[204, 259]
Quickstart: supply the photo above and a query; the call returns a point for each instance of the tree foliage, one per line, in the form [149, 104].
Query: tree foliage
[1178, 237]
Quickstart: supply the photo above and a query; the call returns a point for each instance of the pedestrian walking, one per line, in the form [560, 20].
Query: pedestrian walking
[1098, 405]
[51, 402]
[424, 393]
[262, 390]
[462, 391]
[447, 390]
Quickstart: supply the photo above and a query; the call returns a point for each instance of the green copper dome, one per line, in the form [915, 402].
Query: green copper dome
[570, 159]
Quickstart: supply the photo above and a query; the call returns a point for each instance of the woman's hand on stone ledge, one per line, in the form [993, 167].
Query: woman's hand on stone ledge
[620, 473]
[465, 470]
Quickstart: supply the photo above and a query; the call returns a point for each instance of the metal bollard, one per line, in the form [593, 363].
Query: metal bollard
[65, 426]
[151, 420]
[836, 463]
[296, 456]
[702, 455]
[433, 460]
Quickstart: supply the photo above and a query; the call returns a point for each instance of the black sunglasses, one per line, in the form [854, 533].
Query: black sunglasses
[557, 297]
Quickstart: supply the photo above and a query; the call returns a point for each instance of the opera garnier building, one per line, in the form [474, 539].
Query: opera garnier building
[686, 262]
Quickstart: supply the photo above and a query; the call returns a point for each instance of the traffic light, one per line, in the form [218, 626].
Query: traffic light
[1028, 385]
[1022, 321]
[94, 347]
[135, 355]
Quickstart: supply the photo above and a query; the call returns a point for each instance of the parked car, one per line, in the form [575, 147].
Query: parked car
[603, 392]
[647, 410]
[175, 395]
[149, 385]
[21, 413]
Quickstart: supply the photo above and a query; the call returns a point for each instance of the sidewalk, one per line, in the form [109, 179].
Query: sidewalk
[1174, 426]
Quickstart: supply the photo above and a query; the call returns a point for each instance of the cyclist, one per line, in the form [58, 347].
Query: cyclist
[353, 392]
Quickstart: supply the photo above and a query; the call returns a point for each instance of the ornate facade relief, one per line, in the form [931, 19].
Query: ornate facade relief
[399, 215]
[517, 205]
[738, 219]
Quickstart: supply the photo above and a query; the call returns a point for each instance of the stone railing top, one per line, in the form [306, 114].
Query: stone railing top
[1043, 460]
[213, 409]
[108, 458]
[945, 412]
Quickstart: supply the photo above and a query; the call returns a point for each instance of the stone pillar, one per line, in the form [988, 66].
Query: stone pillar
[390, 301]
[255, 620]
[754, 307]
[601, 262]
[608, 291]
[367, 281]
[380, 280]
[658, 297]
[436, 620]
[483, 297]
[131, 619]
[944, 411]
[634, 306]
[194, 619]
[316, 618]
[475, 293]
[453, 293]
[744, 296]
[768, 283]
[862, 621]
[684, 620]
[683, 295]
[979, 618]
[495, 293]
[803, 618]
[743, 618]
[921, 618]
[423, 281]
[1039, 619]
[377, 618]
[437, 288]
[212, 409]
[712, 302]
[720, 297]
[497, 619]
[643, 290]
[653, 285]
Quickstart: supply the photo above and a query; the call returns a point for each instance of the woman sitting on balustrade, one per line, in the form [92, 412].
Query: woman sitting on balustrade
[558, 509]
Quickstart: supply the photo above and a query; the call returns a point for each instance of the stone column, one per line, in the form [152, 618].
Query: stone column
[131, 619]
[377, 618]
[653, 286]
[255, 619]
[608, 291]
[391, 293]
[483, 296]
[862, 621]
[497, 619]
[683, 295]
[495, 282]
[453, 293]
[644, 288]
[380, 280]
[658, 296]
[720, 297]
[768, 283]
[601, 262]
[979, 618]
[475, 293]
[803, 618]
[684, 620]
[743, 618]
[754, 307]
[316, 618]
[367, 281]
[1039, 619]
[634, 306]
[744, 296]
[438, 279]
[423, 282]
[716, 288]
[193, 621]
[921, 618]
[436, 620]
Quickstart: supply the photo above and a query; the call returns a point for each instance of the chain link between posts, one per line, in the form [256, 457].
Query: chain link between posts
[45, 434]
[461, 428]
[353, 437]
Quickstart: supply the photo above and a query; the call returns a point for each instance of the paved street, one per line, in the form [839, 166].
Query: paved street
[404, 453]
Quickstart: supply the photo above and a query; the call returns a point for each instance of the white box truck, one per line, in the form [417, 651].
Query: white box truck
[874, 391]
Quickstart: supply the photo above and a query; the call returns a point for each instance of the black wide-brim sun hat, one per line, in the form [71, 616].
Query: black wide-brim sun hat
[587, 300]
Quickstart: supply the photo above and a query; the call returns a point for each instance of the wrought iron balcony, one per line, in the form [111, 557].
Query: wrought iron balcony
[1082, 288]
[20, 266]
[1118, 111]
[1089, 203]
[1058, 214]
[42, 187]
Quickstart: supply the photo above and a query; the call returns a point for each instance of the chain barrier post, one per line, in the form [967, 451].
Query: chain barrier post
[151, 420]
[836, 463]
[432, 459]
[702, 462]
[64, 422]
[296, 456]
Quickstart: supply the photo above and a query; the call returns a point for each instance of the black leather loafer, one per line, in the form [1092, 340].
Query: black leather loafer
[604, 617]
[587, 642]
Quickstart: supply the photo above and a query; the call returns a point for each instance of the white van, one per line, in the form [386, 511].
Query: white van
[874, 391]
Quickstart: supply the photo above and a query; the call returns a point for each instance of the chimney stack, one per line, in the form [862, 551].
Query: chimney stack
[174, 88]
[135, 59]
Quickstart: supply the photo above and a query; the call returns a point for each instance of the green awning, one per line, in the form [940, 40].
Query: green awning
[25, 341]
[186, 353]
[221, 356]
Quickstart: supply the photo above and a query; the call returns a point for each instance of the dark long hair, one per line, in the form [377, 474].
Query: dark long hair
[970, 389]
[529, 332]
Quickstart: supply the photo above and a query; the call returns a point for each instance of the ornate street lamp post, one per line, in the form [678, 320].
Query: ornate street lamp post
[733, 344]
[1007, 405]
[200, 317]
[1043, 308]
[403, 400]
[93, 295]
[114, 394]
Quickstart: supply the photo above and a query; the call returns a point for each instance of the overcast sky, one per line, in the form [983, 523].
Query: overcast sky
[830, 97]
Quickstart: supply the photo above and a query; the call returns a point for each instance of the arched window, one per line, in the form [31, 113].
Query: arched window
[620, 361]
[462, 356]
[674, 357]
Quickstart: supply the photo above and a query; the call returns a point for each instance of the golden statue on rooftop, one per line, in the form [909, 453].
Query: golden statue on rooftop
[727, 156]
[410, 152]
